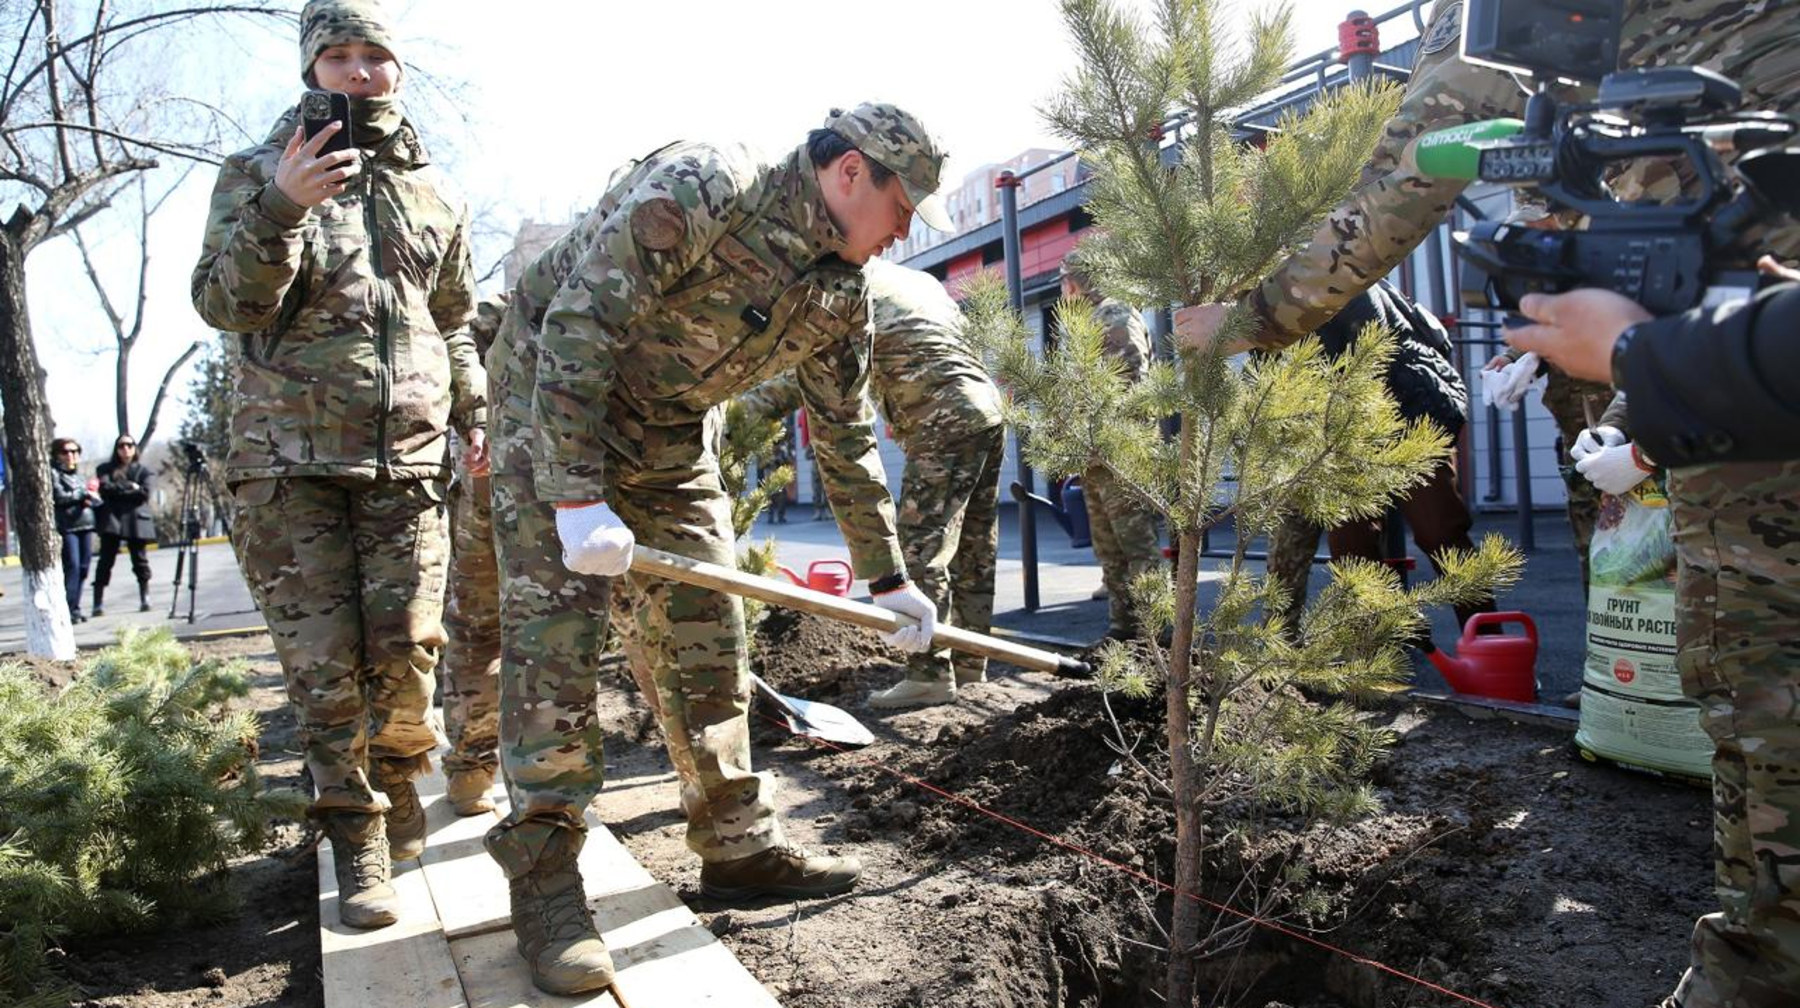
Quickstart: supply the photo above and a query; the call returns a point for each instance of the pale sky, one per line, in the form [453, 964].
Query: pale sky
[556, 94]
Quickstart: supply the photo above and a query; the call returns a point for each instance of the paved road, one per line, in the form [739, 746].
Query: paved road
[1550, 593]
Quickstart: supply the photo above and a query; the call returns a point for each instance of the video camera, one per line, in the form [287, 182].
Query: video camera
[1665, 256]
[193, 455]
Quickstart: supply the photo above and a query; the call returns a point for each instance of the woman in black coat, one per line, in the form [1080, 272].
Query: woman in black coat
[74, 504]
[125, 517]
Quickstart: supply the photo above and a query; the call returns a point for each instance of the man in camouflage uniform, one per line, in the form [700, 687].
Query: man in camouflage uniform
[348, 277]
[1124, 529]
[945, 414]
[702, 272]
[1735, 533]
[471, 667]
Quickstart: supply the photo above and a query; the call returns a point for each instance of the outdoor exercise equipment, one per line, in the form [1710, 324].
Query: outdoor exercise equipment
[1503, 667]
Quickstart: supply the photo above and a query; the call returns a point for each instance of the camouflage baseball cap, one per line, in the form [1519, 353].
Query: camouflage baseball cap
[325, 23]
[898, 141]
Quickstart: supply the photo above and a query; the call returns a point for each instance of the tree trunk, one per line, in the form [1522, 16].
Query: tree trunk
[48, 632]
[1185, 914]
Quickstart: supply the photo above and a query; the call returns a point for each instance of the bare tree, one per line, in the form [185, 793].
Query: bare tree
[127, 333]
[77, 122]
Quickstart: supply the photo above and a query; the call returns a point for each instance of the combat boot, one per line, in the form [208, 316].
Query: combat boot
[778, 871]
[554, 930]
[468, 791]
[143, 596]
[97, 609]
[359, 856]
[405, 816]
[913, 693]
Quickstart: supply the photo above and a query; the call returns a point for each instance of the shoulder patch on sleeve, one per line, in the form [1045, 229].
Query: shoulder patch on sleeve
[658, 224]
[1444, 29]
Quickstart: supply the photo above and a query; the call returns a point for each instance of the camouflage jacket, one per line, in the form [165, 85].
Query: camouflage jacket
[701, 272]
[356, 354]
[1127, 339]
[1395, 206]
[929, 385]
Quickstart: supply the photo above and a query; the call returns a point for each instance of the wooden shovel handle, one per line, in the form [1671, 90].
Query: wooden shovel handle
[862, 614]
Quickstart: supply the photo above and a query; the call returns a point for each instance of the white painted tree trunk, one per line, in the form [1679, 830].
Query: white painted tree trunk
[48, 632]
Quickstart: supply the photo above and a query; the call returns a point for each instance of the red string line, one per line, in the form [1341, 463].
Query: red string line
[1126, 869]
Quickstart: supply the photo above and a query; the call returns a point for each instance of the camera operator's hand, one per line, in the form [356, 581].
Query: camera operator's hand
[1576, 331]
[475, 453]
[308, 179]
[1505, 381]
[1768, 265]
[1608, 460]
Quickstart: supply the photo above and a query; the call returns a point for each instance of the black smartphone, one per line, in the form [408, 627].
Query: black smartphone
[317, 108]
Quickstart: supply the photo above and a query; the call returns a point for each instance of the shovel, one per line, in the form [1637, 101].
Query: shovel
[820, 721]
[822, 716]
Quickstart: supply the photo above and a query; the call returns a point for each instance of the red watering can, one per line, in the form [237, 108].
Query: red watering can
[1493, 665]
[832, 577]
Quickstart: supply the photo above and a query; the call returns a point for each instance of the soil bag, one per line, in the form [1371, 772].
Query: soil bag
[1633, 713]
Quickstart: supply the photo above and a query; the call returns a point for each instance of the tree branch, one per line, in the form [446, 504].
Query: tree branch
[106, 305]
[162, 390]
[188, 151]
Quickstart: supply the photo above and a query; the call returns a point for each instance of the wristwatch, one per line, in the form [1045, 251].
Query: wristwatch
[883, 585]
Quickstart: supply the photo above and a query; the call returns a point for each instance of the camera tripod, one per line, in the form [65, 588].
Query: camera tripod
[196, 484]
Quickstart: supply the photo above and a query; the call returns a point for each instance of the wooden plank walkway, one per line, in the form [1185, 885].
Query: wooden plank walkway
[453, 945]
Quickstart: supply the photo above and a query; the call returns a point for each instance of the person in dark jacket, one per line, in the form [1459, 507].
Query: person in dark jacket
[1708, 385]
[125, 518]
[74, 504]
[1425, 385]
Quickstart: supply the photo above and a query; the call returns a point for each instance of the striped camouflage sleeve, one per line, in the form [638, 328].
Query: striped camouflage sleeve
[834, 385]
[1395, 206]
[452, 304]
[252, 251]
[773, 399]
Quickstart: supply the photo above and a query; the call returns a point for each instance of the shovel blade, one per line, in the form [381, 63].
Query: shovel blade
[823, 721]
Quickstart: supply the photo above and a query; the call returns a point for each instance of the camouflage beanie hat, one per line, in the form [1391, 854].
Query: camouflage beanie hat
[325, 23]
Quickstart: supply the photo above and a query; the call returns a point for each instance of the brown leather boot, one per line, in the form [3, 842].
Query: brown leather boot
[359, 857]
[554, 930]
[468, 791]
[778, 871]
[405, 817]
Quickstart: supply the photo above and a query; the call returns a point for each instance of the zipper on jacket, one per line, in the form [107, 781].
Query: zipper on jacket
[384, 378]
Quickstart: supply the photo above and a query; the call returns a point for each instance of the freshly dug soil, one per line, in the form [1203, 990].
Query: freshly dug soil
[1501, 866]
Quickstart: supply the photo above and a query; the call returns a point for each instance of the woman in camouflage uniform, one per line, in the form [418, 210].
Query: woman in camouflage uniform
[348, 276]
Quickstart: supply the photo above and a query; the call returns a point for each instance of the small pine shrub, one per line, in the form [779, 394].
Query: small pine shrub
[122, 800]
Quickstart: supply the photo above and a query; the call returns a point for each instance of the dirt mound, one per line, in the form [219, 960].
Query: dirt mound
[1498, 865]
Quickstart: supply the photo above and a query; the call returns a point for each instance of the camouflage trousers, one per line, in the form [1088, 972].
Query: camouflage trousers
[1737, 635]
[949, 528]
[471, 666]
[349, 575]
[1564, 398]
[1125, 541]
[1434, 512]
[1292, 547]
[685, 643]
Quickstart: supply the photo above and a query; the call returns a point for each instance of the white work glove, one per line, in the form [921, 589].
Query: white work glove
[594, 540]
[909, 601]
[1607, 460]
[1506, 387]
